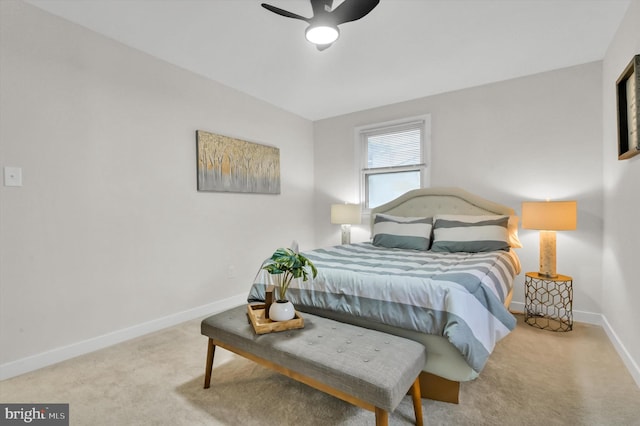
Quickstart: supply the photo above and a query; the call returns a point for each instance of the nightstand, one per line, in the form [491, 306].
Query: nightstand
[548, 302]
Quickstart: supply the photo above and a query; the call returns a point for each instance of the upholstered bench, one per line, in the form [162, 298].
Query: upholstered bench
[367, 368]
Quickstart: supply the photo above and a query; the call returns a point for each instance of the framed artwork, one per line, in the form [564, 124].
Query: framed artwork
[628, 103]
[227, 164]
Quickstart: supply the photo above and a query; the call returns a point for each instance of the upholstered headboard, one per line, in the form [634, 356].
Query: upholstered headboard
[427, 202]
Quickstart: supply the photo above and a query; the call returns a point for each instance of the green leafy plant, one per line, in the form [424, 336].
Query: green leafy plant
[286, 264]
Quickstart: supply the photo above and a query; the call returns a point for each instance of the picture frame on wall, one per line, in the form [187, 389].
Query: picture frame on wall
[628, 106]
[227, 164]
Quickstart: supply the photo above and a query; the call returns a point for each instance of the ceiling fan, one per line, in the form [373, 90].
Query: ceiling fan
[323, 26]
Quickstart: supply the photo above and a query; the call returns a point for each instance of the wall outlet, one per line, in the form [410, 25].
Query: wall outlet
[231, 271]
[13, 176]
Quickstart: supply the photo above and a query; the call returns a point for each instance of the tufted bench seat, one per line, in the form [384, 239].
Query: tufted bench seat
[367, 368]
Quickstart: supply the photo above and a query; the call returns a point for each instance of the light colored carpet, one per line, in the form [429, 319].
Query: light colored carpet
[535, 377]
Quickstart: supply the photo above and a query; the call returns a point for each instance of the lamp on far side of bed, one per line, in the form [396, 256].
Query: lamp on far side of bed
[549, 217]
[345, 215]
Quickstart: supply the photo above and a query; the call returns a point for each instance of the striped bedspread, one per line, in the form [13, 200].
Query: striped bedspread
[456, 295]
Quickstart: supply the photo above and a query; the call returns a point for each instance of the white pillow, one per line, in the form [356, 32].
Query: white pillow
[514, 241]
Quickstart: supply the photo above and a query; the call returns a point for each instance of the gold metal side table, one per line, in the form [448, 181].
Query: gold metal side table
[548, 302]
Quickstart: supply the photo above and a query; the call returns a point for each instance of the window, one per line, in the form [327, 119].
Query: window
[393, 160]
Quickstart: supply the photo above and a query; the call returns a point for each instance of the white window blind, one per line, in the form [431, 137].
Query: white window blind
[394, 161]
[397, 149]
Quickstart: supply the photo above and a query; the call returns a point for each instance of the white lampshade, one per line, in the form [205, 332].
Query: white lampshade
[345, 214]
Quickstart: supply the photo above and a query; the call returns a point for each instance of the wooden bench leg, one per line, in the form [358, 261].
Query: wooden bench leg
[211, 350]
[417, 401]
[382, 417]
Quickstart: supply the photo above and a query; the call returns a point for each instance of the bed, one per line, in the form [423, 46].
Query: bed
[439, 270]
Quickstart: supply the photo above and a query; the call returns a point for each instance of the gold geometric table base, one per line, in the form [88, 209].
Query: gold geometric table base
[548, 302]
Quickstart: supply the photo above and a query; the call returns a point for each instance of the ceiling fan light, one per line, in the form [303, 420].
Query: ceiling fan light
[322, 34]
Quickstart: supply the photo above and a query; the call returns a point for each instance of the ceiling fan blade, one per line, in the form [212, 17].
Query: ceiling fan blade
[283, 12]
[352, 10]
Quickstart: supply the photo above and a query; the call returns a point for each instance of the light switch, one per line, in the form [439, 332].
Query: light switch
[13, 176]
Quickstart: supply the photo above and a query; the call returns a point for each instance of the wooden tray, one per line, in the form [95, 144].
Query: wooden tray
[262, 325]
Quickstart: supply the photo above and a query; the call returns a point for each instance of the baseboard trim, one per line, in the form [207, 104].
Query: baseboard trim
[35, 362]
[628, 361]
[579, 316]
[601, 320]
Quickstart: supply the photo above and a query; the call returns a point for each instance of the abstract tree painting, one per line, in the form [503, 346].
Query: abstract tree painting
[227, 164]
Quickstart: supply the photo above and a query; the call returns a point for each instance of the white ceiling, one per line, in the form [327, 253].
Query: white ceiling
[404, 49]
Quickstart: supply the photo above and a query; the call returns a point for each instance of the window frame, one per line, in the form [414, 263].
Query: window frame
[362, 134]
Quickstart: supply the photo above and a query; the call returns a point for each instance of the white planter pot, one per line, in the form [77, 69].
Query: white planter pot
[282, 310]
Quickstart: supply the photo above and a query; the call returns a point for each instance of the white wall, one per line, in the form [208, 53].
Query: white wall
[108, 230]
[529, 138]
[621, 279]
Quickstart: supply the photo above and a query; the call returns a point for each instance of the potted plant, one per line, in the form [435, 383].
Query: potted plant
[284, 265]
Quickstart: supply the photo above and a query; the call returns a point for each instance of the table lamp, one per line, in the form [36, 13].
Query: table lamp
[345, 215]
[549, 217]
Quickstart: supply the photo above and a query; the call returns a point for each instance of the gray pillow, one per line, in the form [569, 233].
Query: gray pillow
[471, 234]
[401, 232]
